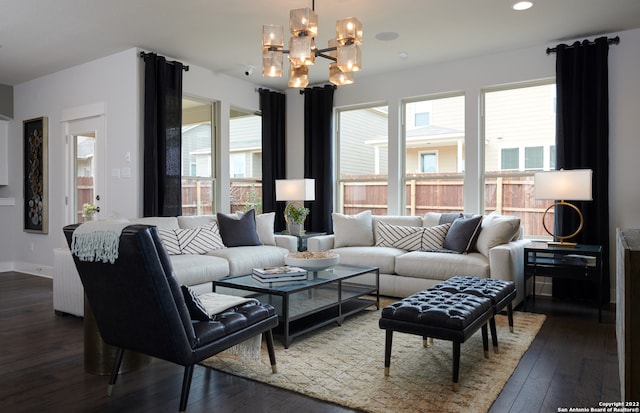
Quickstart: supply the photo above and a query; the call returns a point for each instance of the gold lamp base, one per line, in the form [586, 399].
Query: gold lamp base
[563, 238]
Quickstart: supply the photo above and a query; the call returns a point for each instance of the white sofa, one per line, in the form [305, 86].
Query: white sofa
[406, 269]
[197, 271]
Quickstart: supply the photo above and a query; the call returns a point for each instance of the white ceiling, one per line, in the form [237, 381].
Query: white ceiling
[38, 37]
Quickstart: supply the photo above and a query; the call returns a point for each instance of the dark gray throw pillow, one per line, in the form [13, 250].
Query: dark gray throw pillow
[238, 231]
[463, 234]
[194, 305]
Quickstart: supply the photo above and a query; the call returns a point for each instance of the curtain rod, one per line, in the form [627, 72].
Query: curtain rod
[184, 67]
[613, 40]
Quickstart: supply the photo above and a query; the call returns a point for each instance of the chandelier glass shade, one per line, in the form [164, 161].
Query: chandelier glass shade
[343, 51]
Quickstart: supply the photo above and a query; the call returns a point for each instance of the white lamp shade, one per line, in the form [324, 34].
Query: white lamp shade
[295, 190]
[564, 185]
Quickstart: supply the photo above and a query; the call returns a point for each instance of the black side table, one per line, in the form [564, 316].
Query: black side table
[582, 262]
[302, 238]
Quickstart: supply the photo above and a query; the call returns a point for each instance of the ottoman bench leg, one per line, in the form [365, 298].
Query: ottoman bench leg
[387, 351]
[456, 356]
[456, 365]
[510, 316]
[494, 335]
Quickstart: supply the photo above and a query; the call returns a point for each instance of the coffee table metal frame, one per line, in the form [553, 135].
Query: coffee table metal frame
[324, 297]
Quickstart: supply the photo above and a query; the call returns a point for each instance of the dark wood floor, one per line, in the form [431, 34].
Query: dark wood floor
[571, 363]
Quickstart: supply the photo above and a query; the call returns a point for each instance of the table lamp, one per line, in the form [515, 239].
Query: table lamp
[295, 191]
[563, 185]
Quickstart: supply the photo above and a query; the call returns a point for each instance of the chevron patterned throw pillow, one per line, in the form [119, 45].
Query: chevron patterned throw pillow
[199, 240]
[399, 236]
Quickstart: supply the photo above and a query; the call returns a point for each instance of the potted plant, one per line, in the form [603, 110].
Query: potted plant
[89, 210]
[296, 214]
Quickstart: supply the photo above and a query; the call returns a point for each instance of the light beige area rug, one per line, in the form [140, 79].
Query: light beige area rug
[345, 365]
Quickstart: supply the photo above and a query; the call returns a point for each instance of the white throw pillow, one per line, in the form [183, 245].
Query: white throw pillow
[352, 230]
[265, 224]
[497, 229]
[405, 237]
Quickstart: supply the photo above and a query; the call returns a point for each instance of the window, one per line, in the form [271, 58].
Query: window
[198, 158]
[245, 163]
[519, 136]
[362, 165]
[422, 119]
[434, 154]
[533, 157]
[510, 159]
[428, 162]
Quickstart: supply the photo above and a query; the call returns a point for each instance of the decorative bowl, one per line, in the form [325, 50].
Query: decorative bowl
[312, 261]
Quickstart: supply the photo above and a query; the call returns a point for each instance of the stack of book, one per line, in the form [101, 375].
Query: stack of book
[277, 274]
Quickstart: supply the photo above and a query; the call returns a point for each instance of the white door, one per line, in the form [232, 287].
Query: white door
[85, 142]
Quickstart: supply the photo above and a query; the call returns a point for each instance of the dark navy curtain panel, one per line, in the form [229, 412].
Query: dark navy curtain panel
[273, 108]
[582, 134]
[318, 155]
[162, 136]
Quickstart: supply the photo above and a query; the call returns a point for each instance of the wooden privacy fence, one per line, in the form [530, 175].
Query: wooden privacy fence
[509, 195]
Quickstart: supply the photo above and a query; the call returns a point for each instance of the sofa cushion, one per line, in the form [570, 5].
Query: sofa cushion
[197, 311]
[195, 221]
[352, 230]
[441, 266]
[238, 231]
[160, 222]
[431, 219]
[381, 257]
[496, 229]
[194, 269]
[199, 240]
[399, 236]
[242, 260]
[170, 241]
[433, 237]
[463, 233]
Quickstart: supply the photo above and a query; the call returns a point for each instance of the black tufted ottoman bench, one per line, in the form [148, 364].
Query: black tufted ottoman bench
[438, 314]
[500, 292]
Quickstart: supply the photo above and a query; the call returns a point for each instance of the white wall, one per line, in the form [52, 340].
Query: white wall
[116, 82]
[113, 81]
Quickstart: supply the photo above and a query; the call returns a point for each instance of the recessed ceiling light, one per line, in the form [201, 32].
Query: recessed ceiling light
[522, 5]
[387, 36]
[403, 54]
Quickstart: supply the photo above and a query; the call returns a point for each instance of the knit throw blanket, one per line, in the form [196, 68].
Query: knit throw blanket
[217, 303]
[97, 240]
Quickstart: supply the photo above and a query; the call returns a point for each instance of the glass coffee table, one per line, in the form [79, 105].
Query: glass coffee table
[305, 305]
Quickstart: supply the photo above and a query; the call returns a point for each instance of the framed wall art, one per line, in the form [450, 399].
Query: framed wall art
[36, 197]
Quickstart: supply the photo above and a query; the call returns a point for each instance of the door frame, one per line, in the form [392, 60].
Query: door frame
[87, 119]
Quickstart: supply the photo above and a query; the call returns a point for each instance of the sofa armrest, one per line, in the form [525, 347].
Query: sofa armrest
[289, 242]
[507, 263]
[320, 243]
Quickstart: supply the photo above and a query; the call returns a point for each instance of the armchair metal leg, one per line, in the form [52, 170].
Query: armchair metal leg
[272, 353]
[186, 387]
[116, 369]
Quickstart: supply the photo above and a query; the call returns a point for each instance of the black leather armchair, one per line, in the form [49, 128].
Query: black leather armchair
[138, 306]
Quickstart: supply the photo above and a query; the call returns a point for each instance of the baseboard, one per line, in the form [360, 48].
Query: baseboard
[32, 269]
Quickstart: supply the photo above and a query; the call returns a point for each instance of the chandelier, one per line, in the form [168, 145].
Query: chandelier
[343, 50]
